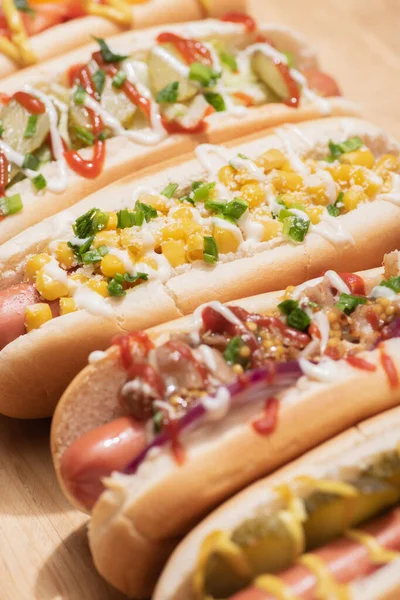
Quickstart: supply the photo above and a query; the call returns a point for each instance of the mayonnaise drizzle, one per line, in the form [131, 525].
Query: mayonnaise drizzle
[332, 230]
[325, 371]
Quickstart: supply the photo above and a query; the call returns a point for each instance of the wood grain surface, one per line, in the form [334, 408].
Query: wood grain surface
[43, 548]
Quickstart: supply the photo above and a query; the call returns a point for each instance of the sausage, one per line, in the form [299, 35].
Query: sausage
[97, 454]
[345, 559]
[13, 302]
[322, 83]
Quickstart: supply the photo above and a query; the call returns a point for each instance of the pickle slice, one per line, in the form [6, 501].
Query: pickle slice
[375, 496]
[267, 71]
[221, 581]
[387, 467]
[328, 515]
[15, 121]
[163, 70]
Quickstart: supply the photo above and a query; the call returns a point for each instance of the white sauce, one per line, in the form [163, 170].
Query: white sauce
[297, 164]
[332, 230]
[224, 224]
[217, 406]
[89, 300]
[320, 320]
[326, 179]
[304, 286]
[96, 356]
[335, 281]
[173, 63]
[246, 164]
[125, 258]
[206, 154]
[207, 354]
[381, 291]
[58, 184]
[394, 195]
[326, 371]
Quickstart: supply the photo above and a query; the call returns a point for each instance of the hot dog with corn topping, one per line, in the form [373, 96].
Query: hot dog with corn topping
[33, 31]
[169, 422]
[325, 526]
[111, 108]
[233, 223]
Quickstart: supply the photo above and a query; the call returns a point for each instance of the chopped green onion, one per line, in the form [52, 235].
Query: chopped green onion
[210, 250]
[148, 211]
[216, 100]
[119, 79]
[30, 162]
[336, 150]
[348, 303]
[80, 250]
[295, 316]
[170, 190]
[229, 60]
[243, 156]
[157, 421]
[79, 95]
[232, 353]
[91, 222]
[231, 211]
[125, 218]
[169, 93]
[93, 256]
[9, 205]
[31, 126]
[1, 128]
[201, 191]
[103, 135]
[393, 283]
[107, 54]
[203, 74]
[288, 306]
[99, 80]
[295, 227]
[39, 182]
[84, 135]
[115, 285]
[334, 209]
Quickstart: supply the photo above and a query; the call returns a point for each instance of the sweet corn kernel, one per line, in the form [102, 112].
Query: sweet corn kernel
[100, 287]
[107, 238]
[173, 231]
[190, 227]
[195, 247]
[272, 229]
[79, 277]
[67, 305]
[272, 159]
[111, 265]
[370, 181]
[227, 240]
[157, 202]
[36, 315]
[352, 199]
[183, 212]
[49, 288]
[315, 213]
[341, 173]
[362, 157]
[284, 181]
[226, 175]
[174, 252]
[318, 194]
[148, 260]
[34, 264]
[65, 255]
[112, 221]
[386, 163]
[253, 193]
[131, 242]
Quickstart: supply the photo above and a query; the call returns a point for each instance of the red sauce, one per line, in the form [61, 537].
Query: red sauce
[372, 318]
[172, 429]
[3, 173]
[84, 77]
[360, 363]
[92, 167]
[73, 73]
[127, 87]
[293, 98]
[389, 367]
[148, 373]
[238, 17]
[314, 331]
[268, 422]
[354, 282]
[185, 352]
[332, 352]
[299, 338]
[191, 50]
[30, 103]
[244, 98]
[125, 343]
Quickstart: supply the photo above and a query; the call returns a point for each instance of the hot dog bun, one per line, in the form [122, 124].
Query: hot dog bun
[146, 513]
[280, 265]
[123, 156]
[354, 448]
[60, 39]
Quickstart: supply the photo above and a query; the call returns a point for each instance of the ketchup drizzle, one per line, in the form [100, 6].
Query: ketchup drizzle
[389, 367]
[30, 103]
[185, 352]
[238, 17]
[191, 50]
[267, 423]
[360, 363]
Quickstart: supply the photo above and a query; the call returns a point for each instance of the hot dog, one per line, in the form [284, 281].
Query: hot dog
[109, 109]
[200, 231]
[33, 31]
[325, 526]
[224, 397]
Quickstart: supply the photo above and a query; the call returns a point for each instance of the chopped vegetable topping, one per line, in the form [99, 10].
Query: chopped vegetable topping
[348, 303]
[99, 80]
[216, 100]
[107, 54]
[295, 316]
[210, 250]
[115, 285]
[119, 79]
[9, 205]
[170, 190]
[30, 130]
[203, 74]
[393, 283]
[169, 94]
[91, 222]
[353, 143]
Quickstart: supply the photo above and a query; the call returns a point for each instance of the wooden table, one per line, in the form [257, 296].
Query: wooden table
[43, 548]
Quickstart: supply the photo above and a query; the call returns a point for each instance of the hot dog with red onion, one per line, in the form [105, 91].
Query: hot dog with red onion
[231, 223]
[192, 411]
[116, 106]
[325, 526]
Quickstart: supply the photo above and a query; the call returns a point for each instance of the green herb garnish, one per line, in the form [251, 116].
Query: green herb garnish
[169, 93]
[31, 126]
[393, 283]
[216, 100]
[90, 223]
[170, 190]
[30, 162]
[336, 150]
[119, 79]
[99, 80]
[295, 316]
[210, 250]
[203, 74]
[107, 54]
[39, 182]
[229, 60]
[232, 353]
[348, 303]
[84, 135]
[9, 205]
[115, 285]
